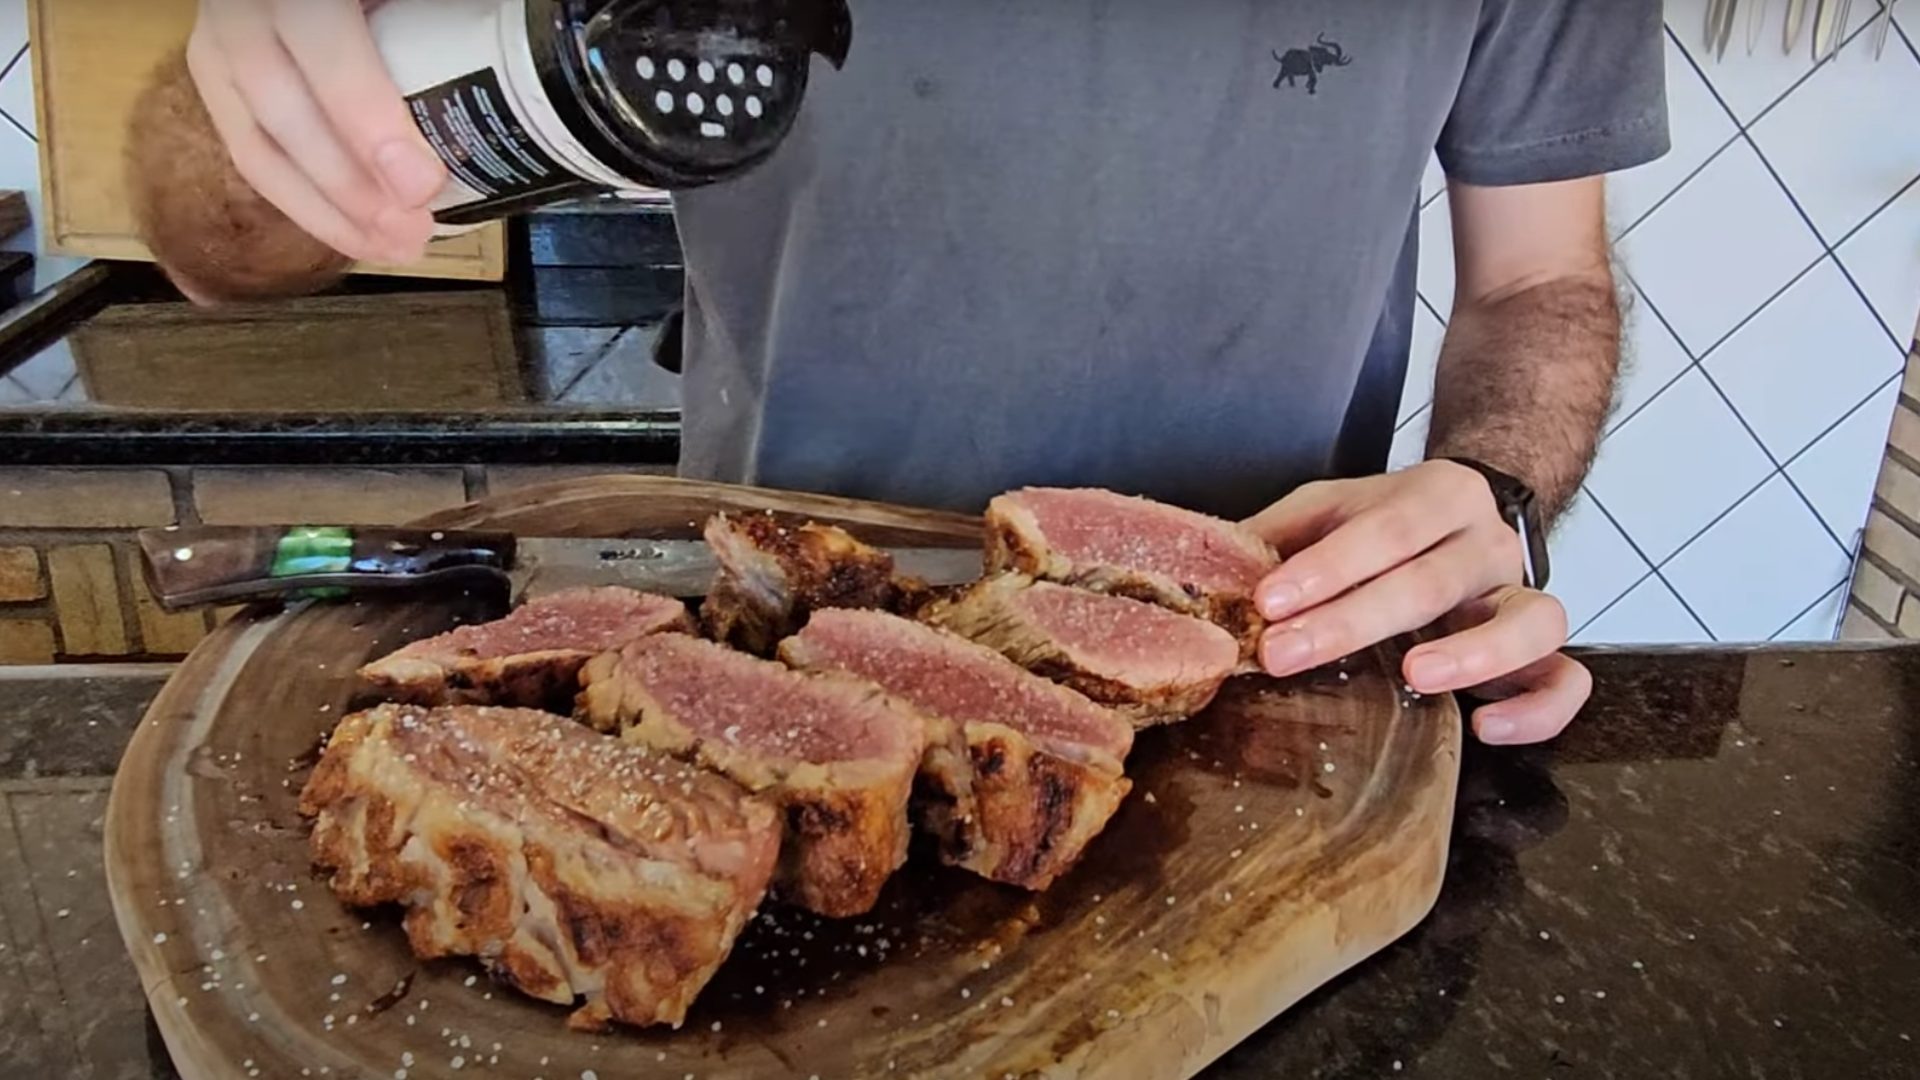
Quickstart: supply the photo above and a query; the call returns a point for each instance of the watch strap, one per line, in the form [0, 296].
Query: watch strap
[1521, 510]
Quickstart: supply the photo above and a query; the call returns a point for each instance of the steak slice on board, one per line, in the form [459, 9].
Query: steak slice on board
[835, 753]
[1022, 772]
[1151, 665]
[573, 866]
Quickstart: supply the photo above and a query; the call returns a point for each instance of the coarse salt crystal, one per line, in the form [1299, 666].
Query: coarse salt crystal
[458, 1062]
[298, 904]
[338, 980]
[1006, 1003]
[1544, 936]
[160, 939]
[1559, 999]
[1328, 767]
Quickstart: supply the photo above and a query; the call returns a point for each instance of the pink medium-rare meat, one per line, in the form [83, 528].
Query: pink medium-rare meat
[573, 866]
[834, 752]
[1149, 664]
[1135, 547]
[774, 573]
[529, 659]
[1021, 773]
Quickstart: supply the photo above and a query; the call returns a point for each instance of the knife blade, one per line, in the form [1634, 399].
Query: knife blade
[1796, 24]
[1883, 29]
[194, 566]
[1827, 28]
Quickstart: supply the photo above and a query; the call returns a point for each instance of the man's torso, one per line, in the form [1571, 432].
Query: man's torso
[1126, 243]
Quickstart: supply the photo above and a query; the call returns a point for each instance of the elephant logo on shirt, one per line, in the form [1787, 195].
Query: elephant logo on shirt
[1309, 62]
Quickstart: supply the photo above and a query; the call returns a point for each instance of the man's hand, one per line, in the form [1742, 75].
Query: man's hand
[314, 123]
[1365, 560]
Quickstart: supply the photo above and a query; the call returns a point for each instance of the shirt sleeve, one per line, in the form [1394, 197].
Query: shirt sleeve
[1558, 89]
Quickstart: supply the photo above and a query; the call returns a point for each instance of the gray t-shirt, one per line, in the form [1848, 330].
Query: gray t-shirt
[1166, 248]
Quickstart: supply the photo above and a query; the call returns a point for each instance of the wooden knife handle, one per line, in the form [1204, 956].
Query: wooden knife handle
[187, 566]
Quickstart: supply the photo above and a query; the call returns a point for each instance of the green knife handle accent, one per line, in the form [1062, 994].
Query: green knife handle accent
[192, 565]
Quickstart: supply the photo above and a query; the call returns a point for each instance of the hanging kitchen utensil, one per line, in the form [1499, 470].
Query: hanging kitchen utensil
[1827, 28]
[1884, 27]
[1796, 25]
[1720, 26]
[1756, 24]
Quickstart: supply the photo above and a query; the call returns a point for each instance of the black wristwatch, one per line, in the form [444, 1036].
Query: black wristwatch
[1522, 511]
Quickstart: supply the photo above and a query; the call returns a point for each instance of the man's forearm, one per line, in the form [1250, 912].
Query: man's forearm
[1525, 382]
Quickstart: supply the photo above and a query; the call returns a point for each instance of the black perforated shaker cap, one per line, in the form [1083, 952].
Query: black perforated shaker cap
[680, 93]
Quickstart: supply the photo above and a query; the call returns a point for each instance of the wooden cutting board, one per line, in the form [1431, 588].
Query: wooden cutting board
[1282, 837]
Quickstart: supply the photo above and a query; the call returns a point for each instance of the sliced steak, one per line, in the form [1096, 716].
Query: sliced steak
[773, 574]
[572, 865]
[836, 753]
[529, 659]
[1149, 664]
[1021, 772]
[1135, 547]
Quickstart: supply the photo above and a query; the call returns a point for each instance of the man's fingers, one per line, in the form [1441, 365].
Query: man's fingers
[1526, 626]
[1552, 690]
[331, 44]
[1305, 516]
[267, 169]
[1406, 598]
[1428, 503]
[283, 107]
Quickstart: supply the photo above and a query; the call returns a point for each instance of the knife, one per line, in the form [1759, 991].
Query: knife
[192, 566]
[1829, 26]
[1796, 24]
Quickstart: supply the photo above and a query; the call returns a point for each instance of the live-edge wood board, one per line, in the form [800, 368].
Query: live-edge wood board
[1282, 837]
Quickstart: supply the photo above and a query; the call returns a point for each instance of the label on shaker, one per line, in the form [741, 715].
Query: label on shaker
[494, 162]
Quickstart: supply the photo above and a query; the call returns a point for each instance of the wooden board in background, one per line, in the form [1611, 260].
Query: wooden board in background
[323, 354]
[1267, 846]
[90, 60]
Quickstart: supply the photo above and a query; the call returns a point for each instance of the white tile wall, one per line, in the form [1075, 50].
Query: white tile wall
[1776, 253]
[1775, 257]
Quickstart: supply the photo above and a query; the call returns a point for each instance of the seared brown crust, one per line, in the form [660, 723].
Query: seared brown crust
[1000, 804]
[445, 670]
[1012, 813]
[1014, 544]
[846, 821]
[572, 866]
[775, 573]
[540, 680]
[989, 612]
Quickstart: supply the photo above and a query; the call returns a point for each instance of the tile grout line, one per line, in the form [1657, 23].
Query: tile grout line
[1805, 611]
[1779, 468]
[1428, 304]
[1653, 570]
[1610, 605]
[1844, 417]
[31, 137]
[1832, 250]
[11, 64]
[605, 351]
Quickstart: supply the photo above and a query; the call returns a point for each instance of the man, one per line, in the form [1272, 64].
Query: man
[1161, 247]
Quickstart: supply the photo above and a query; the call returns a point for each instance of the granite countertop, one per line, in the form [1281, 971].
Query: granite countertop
[1716, 872]
[561, 362]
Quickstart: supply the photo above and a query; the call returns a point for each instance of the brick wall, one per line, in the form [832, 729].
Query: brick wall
[1886, 581]
[71, 587]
